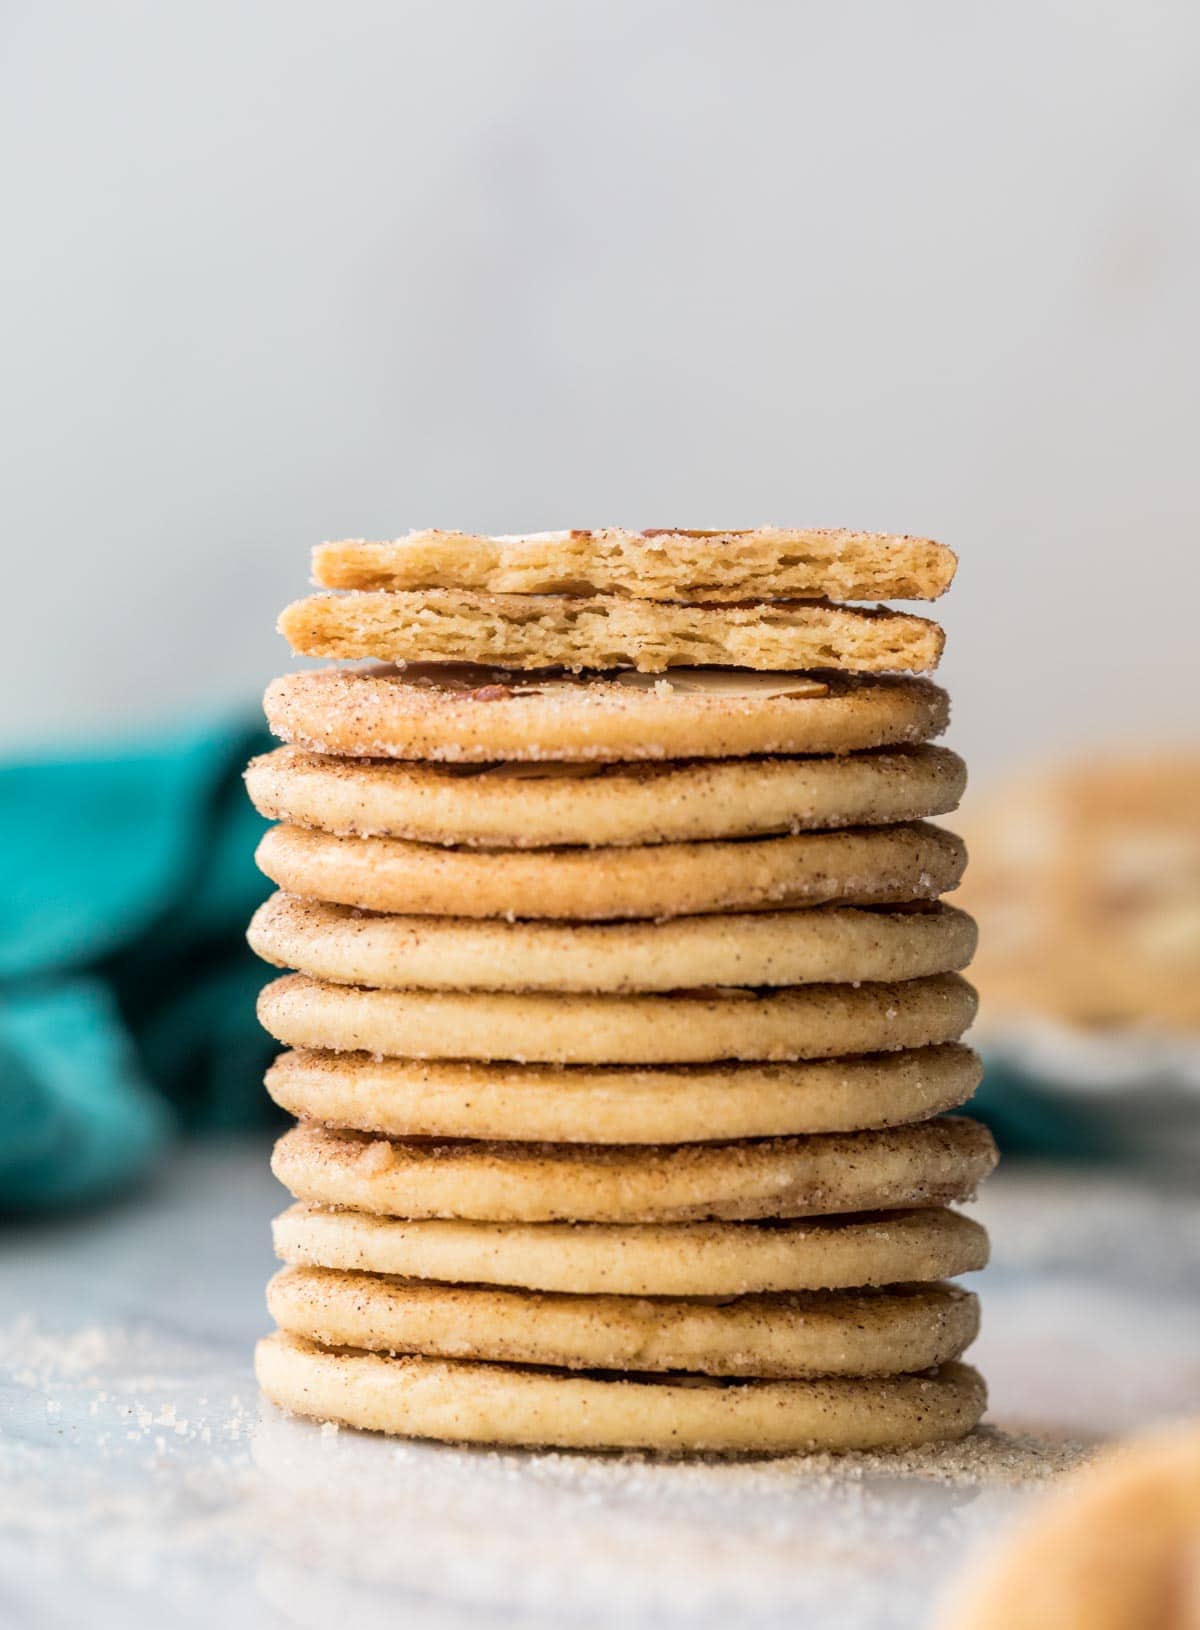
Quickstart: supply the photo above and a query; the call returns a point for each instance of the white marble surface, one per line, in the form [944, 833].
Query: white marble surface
[142, 1486]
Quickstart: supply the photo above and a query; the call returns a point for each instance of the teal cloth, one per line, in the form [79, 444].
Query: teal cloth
[1029, 1117]
[126, 987]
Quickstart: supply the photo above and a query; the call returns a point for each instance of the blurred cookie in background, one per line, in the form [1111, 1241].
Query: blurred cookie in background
[1086, 884]
[1117, 1547]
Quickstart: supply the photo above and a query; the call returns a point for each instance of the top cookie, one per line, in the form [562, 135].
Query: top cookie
[606, 631]
[663, 563]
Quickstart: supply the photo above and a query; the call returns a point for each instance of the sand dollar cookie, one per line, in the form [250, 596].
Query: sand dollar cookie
[932, 1163]
[532, 806]
[1116, 1547]
[641, 1259]
[463, 1402]
[694, 1027]
[861, 1332]
[543, 1103]
[602, 632]
[871, 866]
[830, 943]
[470, 715]
[664, 563]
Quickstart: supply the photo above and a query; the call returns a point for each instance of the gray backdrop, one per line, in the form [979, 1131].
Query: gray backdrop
[287, 270]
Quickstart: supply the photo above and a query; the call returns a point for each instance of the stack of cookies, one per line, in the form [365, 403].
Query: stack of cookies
[627, 1011]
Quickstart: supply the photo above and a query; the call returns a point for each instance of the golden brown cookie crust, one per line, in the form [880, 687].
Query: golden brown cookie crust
[813, 1021]
[464, 714]
[935, 1162]
[462, 1402]
[665, 563]
[760, 563]
[867, 866]
[646, 1259]
[827, 943]
[807, 1333]
[550, 1104]
[534, 631]
[528, 806]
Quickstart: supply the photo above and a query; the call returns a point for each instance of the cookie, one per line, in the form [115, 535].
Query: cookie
[541, 1103]
[932, 1163]
[861, 1332]
[1089, 878]
[664, 563]
[646, 1259]
[533, 806]
[1114, 1548]
[696, 1027]
[667, 563]
[887, 865]
[830, 943]
[471, 715]
[537, 631]
[462, 1402]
